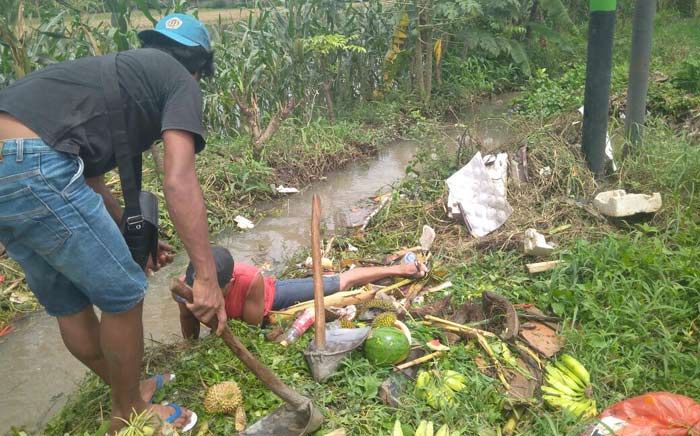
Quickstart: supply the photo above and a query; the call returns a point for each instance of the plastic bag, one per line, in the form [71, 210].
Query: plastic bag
[652, 414]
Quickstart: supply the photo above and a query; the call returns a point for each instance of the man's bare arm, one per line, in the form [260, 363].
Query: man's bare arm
[99, 186]
[185, 202]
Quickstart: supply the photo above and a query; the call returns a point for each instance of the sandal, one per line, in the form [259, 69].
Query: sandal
[177, 413]
[160, 382]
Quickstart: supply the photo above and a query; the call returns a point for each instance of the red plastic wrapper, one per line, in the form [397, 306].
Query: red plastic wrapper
[652, 414]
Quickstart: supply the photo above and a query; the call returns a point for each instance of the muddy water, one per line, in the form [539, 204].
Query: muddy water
[37, 373]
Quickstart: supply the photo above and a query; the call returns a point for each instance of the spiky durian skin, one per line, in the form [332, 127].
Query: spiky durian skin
[383, 305]
[346, 324]
[223, 398]
[385, 319]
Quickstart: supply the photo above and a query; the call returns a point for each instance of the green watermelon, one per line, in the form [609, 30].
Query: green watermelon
[386, 346]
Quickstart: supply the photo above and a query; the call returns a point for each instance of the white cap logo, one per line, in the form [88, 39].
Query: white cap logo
[173, 23]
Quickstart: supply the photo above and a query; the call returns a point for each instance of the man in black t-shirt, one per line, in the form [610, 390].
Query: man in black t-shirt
[58, 218]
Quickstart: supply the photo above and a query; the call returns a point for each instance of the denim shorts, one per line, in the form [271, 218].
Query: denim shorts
[292, 291]
[58, 229]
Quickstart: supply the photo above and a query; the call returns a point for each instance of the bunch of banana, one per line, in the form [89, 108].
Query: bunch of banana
[568, 386]
[425, 428]
[438, 388]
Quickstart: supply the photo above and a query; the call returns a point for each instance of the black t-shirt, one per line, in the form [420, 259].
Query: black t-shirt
[65, 104]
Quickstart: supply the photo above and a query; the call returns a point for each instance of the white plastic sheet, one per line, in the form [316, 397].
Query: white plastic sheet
[475, 197]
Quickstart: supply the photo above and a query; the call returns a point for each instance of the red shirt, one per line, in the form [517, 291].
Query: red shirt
[235, 299]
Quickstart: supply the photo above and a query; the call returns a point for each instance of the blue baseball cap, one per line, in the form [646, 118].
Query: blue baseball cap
[181, 28]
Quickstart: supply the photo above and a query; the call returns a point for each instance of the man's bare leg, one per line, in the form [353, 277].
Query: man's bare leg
[81, 335]
[121, 340]
[363, 275]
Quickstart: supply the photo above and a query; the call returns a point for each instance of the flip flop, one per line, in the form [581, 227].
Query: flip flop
[160, 382]
[177, 413]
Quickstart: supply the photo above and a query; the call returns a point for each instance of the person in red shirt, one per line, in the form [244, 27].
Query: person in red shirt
[250, 296]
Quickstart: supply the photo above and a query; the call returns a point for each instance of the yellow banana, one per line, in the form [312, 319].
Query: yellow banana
[454, 380]
[509, 426]
[577, 368]
[423, 379]
[397, 429]
[444, 431]
[431, 399]
[429, 429]
[592, 409]
[420, 431]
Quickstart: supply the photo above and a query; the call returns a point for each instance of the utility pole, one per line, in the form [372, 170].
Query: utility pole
[601, 28]
[638, 84]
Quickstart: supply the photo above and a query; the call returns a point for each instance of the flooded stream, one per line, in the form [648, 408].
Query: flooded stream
[37, 373]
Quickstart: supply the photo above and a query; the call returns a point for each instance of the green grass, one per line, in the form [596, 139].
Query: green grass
[628, 294]
[629, 300]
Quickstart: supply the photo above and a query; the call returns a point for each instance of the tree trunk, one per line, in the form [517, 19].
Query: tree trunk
[418, 67]
[272, 127]
[158, 162]
[326, 86]
[534, 13]
[428, 50]
[438, 63]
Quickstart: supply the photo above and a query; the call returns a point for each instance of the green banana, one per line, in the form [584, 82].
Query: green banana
[577, 368]
[557, 401]
[553, 373]
[562, 387]
[576, 383]
[551, 391]
[397, 429]
[444, 431]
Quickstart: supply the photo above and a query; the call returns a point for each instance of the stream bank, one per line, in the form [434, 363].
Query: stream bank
[39, 374]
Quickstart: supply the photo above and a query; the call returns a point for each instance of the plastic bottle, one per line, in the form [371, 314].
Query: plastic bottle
[300, 325]
[409, 258]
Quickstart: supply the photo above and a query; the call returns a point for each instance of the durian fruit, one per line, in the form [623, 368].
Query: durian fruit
[223, 398]
[385, 319]
[346, 323]
[240, 420]
[384, 305]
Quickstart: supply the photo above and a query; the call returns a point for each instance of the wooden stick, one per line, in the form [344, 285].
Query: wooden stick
[481, 339]
[441, 287]
[460, 327]
[383, 203]
[418, 361]
[497, 363]
[320, 320]
[538, 267]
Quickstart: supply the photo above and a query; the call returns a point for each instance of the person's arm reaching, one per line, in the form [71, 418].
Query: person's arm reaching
[185, 201]
[99, 186]
[115, 211]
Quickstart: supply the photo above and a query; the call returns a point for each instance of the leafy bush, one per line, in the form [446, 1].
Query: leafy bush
[688, 75]
[545, 96]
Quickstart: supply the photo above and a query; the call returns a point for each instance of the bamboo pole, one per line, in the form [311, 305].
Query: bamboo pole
[320, 320]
